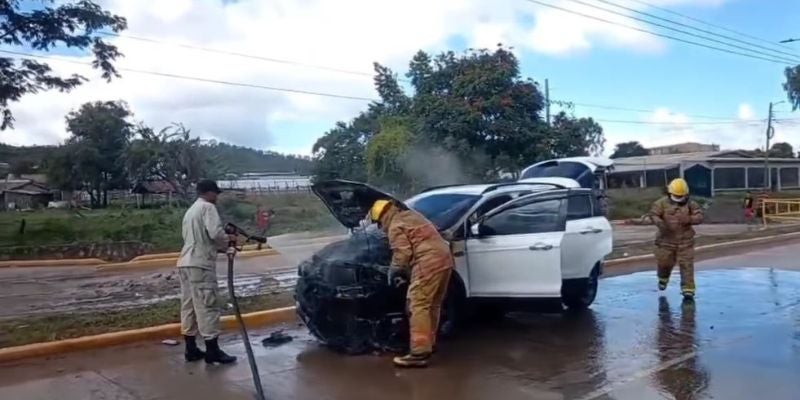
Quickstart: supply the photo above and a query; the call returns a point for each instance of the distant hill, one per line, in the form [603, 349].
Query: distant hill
[234, 159]
[239, 159]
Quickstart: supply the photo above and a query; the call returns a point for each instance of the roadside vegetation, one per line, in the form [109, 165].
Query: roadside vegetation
[161, 227]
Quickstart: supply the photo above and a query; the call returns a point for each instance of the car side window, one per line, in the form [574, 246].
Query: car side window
[579, 207]
[537, 217]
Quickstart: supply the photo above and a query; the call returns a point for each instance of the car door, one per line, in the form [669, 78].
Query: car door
[516, 251]
[587, 238]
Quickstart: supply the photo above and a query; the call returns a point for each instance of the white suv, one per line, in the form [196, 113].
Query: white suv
[541, 238]
[523, 240]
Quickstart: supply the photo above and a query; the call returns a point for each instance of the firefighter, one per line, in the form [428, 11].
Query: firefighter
[416, 246]
[674, 215]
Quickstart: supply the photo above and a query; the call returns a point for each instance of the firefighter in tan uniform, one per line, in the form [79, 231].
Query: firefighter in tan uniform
[674, 216]
[416, 246]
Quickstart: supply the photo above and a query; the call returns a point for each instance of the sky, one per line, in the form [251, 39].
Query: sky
[671, 91]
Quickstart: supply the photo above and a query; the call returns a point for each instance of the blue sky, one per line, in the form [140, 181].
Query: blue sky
[584, 60]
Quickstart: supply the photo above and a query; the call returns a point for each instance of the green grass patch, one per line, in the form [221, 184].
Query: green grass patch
[161, 227]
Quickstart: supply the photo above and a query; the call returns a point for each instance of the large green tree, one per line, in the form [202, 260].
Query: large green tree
[792, 86]
[100, 136]
[472, 115]
[781, 150]
[43, 25]
[629, 149]
[171, 155]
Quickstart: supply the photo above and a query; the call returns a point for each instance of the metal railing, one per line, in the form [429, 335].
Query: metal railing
[780, 210]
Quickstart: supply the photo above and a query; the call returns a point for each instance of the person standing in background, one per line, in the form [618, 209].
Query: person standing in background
[262, 221]
[749, 209]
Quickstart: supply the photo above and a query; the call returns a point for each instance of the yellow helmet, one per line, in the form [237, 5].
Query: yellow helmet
[678, 187]
[378, 209]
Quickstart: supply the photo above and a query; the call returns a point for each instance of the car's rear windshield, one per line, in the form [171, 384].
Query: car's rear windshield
[443, 210]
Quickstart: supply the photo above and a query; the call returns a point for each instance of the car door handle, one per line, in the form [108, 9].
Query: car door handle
[591, 231]
[541, 247]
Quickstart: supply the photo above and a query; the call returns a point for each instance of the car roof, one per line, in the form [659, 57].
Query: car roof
[479, 190]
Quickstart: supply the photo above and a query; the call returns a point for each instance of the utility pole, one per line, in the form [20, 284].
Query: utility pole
[547, 100]
[770, 134]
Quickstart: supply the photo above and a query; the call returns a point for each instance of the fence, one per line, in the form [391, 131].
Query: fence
[780, 209]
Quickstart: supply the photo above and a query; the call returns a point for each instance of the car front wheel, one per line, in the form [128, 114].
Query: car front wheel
[579, 294]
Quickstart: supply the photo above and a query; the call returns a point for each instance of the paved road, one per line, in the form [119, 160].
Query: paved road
[35, 291]
[740, 340]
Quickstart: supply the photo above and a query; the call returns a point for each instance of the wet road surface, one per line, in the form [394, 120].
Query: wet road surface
[739, 340]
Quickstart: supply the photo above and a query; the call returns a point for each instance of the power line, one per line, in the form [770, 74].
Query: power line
[239, 54]
[655, 33]
[683, 32]
[613, 4]
[200, 79]
[706, 23]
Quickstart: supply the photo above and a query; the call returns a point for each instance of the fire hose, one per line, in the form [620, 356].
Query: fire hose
[232, 229]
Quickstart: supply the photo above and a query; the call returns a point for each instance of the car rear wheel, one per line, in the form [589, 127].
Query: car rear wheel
[579, 294]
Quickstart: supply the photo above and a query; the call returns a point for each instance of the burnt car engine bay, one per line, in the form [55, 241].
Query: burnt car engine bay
[344, 300]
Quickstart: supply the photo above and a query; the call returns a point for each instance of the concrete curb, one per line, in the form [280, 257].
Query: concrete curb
[260, 318]
[53, 263]
[161, 262]
[175, 255]
[706, 248]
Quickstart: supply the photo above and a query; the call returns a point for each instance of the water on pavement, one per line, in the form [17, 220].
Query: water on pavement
[739, 340]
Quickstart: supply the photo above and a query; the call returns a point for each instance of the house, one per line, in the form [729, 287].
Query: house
[707, 173]
[20, 194]
[163, 190]
[683, 148]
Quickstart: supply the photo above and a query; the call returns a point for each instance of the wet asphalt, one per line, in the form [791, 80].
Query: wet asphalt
[739, 340]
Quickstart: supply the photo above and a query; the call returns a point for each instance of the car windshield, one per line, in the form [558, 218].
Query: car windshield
[443, 209]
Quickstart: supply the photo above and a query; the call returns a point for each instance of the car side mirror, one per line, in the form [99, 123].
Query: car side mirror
[476, 230]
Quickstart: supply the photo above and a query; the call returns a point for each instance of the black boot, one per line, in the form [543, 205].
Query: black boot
[215, 355]
[192, 353]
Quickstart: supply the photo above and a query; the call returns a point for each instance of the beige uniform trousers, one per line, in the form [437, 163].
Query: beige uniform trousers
[200, 310]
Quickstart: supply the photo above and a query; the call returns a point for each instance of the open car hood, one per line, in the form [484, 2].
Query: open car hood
[348, 201]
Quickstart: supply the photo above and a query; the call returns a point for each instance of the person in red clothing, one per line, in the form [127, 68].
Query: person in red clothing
[262, 221]
[749, 209]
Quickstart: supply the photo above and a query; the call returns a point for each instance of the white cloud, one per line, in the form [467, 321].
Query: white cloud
[345, 34]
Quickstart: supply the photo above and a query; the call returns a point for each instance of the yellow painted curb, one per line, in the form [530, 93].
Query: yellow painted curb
[52, 263]
[259, 318]
[701, 249]
[175, 255]
[162, 262]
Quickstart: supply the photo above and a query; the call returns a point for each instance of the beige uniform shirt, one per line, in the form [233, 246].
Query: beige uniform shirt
[202, 236]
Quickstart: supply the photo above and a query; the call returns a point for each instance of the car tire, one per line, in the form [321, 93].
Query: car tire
[452, 309]
[580, 294]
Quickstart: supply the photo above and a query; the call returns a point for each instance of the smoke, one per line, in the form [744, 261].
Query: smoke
[427, 167]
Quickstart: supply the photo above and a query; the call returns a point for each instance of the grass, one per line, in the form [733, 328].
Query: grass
[160, 227]
[20, 331]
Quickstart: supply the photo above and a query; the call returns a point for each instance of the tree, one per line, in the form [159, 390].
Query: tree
[73, 24]
[22, 167]
[384, 154]
[100, 136]
[340, 152]
[629, 149]
[576, 137]
[171, 155]
[781, 150]
[478, 103]
[792, 86]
